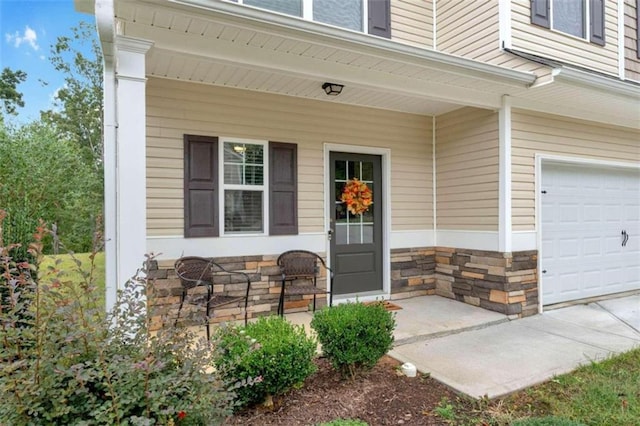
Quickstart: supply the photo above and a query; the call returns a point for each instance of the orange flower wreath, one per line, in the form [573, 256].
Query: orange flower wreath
[357, 196]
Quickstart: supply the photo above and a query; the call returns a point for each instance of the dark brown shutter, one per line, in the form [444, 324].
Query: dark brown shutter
[596, 10]
[283, 188]
[200, 186]
[380, 18]
[540, 13]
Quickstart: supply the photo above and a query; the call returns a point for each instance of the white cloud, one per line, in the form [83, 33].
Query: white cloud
[28, 37]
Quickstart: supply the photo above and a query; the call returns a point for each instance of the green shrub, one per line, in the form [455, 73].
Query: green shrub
[278, 354]
[547, 421]
[68, 362]
[354, 336]
[344, 422]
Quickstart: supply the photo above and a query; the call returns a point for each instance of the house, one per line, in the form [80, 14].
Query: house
[501, 140]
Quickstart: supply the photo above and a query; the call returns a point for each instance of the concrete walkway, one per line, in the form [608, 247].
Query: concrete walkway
[494, 357]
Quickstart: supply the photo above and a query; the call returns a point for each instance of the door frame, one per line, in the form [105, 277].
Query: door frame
[542, 158]
[385, 154]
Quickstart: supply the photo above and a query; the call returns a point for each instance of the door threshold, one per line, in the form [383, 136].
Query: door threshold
[367, 296]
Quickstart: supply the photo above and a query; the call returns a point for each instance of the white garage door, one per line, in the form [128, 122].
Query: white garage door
[590, 224]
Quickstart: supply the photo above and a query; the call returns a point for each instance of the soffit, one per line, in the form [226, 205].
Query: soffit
[212, 47]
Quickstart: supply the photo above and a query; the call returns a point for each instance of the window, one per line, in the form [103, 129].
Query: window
[243, 186]
[375, 15]
[231, 183]
[572, 17]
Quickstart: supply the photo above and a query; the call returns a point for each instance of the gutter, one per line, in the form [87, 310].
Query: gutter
[384, 48]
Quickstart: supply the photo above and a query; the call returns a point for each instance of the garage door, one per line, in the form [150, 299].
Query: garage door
[590, 225]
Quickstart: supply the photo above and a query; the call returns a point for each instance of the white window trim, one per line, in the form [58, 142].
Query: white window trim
[307, 14]
[264, 187]
[585, 22]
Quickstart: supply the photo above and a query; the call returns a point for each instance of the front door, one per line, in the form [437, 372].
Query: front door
[356, 243]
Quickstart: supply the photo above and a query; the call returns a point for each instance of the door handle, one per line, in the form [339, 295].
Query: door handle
[329, 234]
[625, 238]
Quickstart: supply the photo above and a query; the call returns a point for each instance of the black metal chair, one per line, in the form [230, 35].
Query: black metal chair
[301, 269]
[196, 271]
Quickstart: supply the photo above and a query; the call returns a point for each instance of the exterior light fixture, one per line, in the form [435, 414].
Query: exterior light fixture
[332, 89]
[239, 148]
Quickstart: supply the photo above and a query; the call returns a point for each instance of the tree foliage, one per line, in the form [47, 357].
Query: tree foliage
[77, 112]
[9, 94]
[45, 177]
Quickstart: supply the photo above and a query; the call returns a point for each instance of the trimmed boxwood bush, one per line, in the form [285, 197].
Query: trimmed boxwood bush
[275, 352]
[354, 336]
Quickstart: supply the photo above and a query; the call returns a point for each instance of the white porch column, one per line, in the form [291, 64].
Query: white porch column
[504, 180]
[130, 174]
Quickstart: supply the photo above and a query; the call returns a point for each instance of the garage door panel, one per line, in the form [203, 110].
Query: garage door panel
[583, 213]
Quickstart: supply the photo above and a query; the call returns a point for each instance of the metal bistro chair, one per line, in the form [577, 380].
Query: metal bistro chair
[302, 265]
[196, 271]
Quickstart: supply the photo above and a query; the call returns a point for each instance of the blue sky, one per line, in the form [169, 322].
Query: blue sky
[29, 28]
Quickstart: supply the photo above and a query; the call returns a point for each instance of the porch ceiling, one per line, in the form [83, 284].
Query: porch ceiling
[218, 46]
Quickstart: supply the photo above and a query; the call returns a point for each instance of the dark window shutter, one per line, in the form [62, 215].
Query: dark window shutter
[540, 13]
[596, 20]
[380, 18]
[200, 186]
[283, 188]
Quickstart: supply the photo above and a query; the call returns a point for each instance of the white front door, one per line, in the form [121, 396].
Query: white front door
[590, 225]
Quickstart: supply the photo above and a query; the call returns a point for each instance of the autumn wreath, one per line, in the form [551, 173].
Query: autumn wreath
[357, 196]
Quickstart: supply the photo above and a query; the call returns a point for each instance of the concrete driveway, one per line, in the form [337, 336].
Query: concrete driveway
[494, 357]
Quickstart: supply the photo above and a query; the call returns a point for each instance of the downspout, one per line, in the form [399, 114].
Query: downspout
[105, 23]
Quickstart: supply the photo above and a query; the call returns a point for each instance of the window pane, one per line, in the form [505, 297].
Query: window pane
[341, 234]
[232, 174]
[290, 7]
[341, 13]
[341, 167]
[242, 211]
[253, 154]
[367, 234]
[568, 16]
[253, 175]
[367, 171]
[354, 234]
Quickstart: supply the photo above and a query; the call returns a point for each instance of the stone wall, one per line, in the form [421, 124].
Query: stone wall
[501, 282]
[412, 274]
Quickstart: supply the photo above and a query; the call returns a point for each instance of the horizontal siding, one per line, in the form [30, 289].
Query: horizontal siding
[535, 133]
[467, 170]
[557, 45]
[632, 63]
[471, 29]
[412, 22]
[175, 108]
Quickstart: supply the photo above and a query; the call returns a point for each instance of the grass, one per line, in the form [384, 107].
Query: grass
[76, 269]
[601, 393]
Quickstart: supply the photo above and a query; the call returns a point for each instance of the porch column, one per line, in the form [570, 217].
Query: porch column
[129, 219]
[504, 179]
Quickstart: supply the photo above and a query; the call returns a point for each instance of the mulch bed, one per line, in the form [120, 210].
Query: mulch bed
[382, 396]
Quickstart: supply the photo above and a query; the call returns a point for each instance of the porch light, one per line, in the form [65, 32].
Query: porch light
[332, 89]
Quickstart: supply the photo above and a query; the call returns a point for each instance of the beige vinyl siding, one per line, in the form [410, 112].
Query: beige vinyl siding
[471, 29]
[631, 61]
[412, 22]
[467, 170]
[175, 108]
[537, 133]
[557, 45]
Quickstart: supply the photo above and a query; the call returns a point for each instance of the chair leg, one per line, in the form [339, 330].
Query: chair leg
[182, 297]
[281, 301]
[206, 322]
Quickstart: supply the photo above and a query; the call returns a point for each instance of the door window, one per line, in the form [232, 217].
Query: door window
[353, 228]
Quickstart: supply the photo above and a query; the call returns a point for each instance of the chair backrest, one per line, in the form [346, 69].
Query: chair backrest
[299, 264]
[193, 270]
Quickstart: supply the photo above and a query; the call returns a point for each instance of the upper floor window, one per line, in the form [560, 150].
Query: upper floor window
[372, 16]
[579, 18]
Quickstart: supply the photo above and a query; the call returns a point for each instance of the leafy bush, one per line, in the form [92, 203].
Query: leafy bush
[354, 336]
[547, 421]
[67, 362]
[272, 350]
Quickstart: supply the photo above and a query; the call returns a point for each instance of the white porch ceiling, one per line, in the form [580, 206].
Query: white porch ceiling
[221, 43]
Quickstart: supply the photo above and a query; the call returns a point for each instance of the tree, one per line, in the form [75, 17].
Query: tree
[9, 94]
[77, 112]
